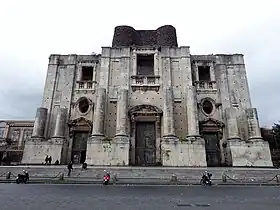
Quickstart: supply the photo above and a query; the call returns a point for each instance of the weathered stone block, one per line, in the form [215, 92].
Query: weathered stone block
[104, 152]
[256, 153]
[35, 150]
[187, 153]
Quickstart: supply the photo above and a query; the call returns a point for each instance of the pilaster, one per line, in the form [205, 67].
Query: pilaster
[253, 124]
[168, 113]
[99, 113]
[122, 113]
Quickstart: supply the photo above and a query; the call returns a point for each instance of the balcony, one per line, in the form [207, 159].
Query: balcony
[206, 86]
[145, 83]
[86, 86]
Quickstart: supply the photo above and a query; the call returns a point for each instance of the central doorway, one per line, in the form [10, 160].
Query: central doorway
[145, 145]
[212, 147]
[79, 147]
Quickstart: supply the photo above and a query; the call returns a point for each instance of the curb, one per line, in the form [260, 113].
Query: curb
[152, 183]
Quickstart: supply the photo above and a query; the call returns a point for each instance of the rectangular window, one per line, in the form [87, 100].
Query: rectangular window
[87, 73]
[204, 73]
[145, 65]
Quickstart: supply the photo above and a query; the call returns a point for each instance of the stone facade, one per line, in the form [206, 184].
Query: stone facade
[146, 101]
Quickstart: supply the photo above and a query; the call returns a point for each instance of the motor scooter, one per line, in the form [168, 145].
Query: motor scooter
[106, 179]
[22, 178]
[206, 179]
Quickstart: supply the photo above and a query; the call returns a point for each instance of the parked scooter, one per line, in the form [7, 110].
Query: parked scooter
[23, 178]
[206, 179]
[106, 178]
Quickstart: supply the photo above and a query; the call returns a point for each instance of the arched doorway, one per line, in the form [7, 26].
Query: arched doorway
[145, 135]
[212, 132]
[80, 130]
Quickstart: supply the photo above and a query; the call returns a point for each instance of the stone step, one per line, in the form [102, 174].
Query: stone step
[143, 172]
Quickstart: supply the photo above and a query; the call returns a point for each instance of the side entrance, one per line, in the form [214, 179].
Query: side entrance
[145, 147]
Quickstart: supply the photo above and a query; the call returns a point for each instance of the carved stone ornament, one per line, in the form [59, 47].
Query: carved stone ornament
[80, 123]
[212, 125]
[144, 110]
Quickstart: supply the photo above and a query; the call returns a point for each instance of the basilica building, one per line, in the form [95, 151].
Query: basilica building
[146, 101]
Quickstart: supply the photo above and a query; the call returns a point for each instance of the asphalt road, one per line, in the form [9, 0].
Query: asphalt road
[85, 197]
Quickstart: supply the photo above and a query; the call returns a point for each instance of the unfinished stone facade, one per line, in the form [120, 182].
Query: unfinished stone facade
[146, 101]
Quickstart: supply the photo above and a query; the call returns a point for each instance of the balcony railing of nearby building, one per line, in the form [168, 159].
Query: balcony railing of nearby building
[145, 82]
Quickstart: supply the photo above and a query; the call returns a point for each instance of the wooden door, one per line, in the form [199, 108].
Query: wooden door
[145, 144]
[79, 146]
[213, 153]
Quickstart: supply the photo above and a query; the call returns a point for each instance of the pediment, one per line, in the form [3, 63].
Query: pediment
[211, 122]
[81, 121]
[145, 108]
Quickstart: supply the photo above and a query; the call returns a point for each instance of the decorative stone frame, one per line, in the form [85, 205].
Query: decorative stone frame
[91, 105]
[145, 82]
[80, 124]
[145, 113]
[214, 104]
[89, 86]
[211, 125]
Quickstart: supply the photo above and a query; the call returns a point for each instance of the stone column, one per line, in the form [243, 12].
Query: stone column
[232, 128]
[122, 113]
[40, 123]
[99, 113]
[192, 118]
[168, 113]
[253, 124]
[61, 118]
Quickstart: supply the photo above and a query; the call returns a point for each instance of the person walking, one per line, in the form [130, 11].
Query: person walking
[70, 168]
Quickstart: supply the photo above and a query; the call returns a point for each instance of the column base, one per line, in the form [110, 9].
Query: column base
[250, 154]
[235, 138]
[183, 153]
[103, 151]
[170, 138]
[193, 138]
[255, 138]
[36, 150]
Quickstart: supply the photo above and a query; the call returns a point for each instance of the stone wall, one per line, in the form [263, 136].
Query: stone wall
[35, 151]
[184, 154]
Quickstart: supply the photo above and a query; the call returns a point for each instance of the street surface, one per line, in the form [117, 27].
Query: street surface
[93, 197]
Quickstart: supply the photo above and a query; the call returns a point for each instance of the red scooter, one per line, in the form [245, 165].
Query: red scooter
[106, 179]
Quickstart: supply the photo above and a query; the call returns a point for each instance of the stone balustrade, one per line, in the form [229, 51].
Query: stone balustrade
[145, 82]
[206, 85]
[85, 85]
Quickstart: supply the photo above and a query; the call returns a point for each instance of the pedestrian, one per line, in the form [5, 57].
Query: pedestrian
[46, 160]
[70, 168]
[50, 160]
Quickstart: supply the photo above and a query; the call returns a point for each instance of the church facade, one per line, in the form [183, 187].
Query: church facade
[146, 101]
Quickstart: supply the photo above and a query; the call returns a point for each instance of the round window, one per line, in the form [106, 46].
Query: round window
[83, 105]
[207, 107]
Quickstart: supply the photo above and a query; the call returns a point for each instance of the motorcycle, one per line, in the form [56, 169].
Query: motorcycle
[206, 179]
[22, 178]
[106, 179]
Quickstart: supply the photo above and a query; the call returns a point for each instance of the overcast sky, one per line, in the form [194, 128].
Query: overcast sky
[31, 30]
